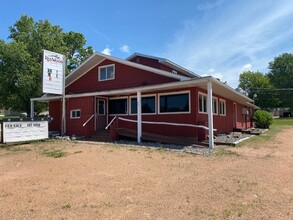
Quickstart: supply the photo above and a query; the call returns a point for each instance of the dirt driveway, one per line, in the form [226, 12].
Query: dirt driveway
[111, 182]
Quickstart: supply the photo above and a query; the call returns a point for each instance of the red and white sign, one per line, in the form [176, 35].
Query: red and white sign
[53, 72]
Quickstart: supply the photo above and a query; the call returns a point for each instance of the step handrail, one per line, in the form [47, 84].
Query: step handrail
[111, 122]
[87, 121]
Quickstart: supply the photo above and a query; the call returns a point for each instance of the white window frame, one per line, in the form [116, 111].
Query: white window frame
[174, 93]
[203, 95]
[75, 110]
[143, 96]
[217, 106]
[214, 99]
[220, 108]
[122, 97]
[106, 66]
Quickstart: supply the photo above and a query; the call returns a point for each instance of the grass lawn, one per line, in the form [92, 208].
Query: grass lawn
[283, 121]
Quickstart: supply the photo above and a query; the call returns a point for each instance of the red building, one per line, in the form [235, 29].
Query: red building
[147, 97]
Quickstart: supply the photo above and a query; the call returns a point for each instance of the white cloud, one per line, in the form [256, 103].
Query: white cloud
[212, 72]
[246, 67]
[233, 36]
[107, 51]
[125, 48]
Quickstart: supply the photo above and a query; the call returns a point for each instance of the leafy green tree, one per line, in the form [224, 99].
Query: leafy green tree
[281, 71]
[259, 88]
[20, 59]
[281, 76]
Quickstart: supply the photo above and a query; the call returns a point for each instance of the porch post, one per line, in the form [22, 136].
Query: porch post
[32, 109]
[210, 114]
[139, 127]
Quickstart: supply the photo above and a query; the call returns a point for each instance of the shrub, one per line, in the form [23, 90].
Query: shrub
[263, 119]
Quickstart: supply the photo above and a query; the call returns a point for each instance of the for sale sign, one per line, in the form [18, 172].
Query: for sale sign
[18, 131]
[53, 72]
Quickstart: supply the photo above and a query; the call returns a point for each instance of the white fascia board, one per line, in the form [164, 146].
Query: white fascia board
[229, 88]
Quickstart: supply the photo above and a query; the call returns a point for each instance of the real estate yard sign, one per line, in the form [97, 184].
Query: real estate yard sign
[17, 131]
[53, 72]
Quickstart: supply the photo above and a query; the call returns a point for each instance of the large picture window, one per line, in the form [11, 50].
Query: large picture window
[148, 105]
[106, 72]
[171, 103]
[118, 106]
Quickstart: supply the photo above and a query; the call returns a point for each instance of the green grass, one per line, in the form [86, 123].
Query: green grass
[276, 127]
[54, 153]
[282, 122]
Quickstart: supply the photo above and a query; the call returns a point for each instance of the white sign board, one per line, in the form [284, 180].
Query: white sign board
[53, 72]
[25, 131]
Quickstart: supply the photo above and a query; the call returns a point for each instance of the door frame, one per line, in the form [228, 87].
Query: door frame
[106, 101]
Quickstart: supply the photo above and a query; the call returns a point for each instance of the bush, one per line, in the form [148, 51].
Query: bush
[263, 119]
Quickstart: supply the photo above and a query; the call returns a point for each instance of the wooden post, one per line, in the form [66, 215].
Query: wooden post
[210, 114]
[139, 127]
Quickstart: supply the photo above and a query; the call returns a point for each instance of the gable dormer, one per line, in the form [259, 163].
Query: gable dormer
[162, 64]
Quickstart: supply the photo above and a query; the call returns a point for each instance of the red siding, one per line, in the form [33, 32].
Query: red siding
[125, 77]
[55, 111]
[75, 126]
[154, 63]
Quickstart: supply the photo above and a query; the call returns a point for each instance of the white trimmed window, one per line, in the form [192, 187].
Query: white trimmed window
[74, 114]
[106, 72]
[203, 103]
[148, 105]
[215, 106]
[222, 107]
[118, 106]
[174, 102]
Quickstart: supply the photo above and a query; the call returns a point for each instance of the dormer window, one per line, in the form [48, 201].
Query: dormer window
[106, 72]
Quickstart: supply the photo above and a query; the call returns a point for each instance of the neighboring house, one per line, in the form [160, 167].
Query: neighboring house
[9, 112]
[104, 87]
[282, 112]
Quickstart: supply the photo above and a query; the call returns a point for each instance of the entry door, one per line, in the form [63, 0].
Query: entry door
[101, 114]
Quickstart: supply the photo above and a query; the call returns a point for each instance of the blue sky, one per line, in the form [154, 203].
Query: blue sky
[221, 38]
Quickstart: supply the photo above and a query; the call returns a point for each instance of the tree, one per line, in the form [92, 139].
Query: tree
[281, 76]
[259, 88]
[20, 59]
[281, 71]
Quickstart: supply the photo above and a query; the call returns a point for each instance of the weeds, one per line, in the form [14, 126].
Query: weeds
[66, 206]
[54, 153]
[224, 152]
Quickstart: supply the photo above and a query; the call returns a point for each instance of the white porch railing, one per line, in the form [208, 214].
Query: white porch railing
[163, 123]
[111, 122]
[87, 121]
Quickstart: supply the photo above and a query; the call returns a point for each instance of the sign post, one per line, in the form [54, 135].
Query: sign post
[54, 79]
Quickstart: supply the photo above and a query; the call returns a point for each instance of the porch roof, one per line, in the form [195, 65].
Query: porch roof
[218, 87]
